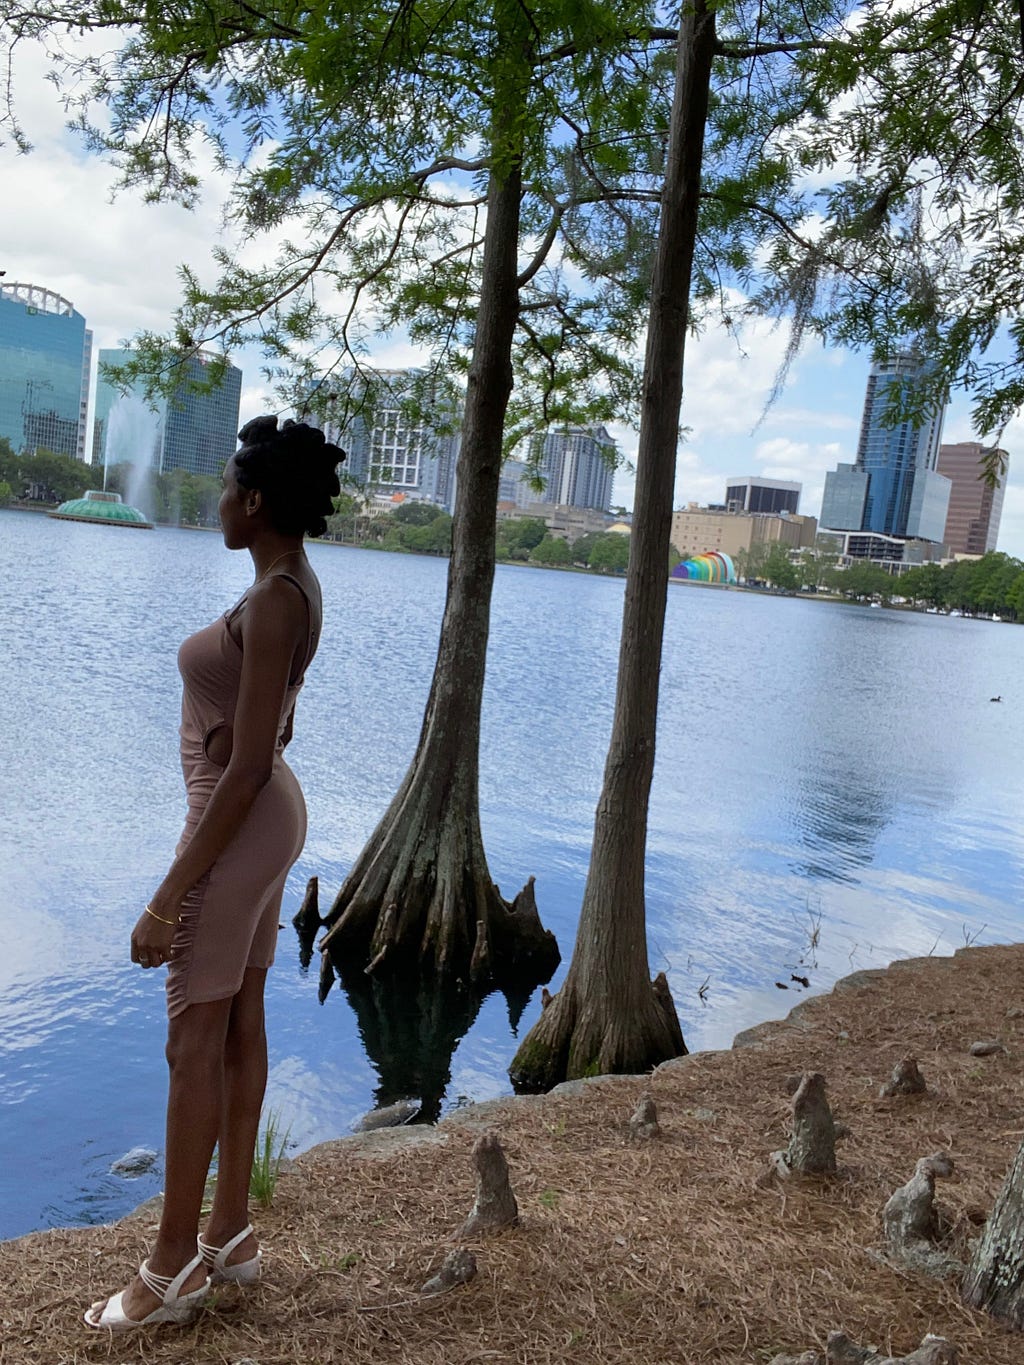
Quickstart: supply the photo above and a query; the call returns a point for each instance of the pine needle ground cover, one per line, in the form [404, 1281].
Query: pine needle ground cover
[674, 1249]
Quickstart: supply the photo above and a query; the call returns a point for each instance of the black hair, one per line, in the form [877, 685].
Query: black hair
[295, 468]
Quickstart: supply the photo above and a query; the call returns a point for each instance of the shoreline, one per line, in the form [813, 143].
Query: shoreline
[671, 1250]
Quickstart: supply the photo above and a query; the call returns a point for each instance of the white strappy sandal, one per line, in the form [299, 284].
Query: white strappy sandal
[243, 1272]
[175, 1306]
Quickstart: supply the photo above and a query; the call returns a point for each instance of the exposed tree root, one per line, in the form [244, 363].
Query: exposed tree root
[812, 1145]
[495, 1206]
[421, 897]
[458, 1267]
[643, 1123]
[840, 1350]
[598, 1033]
[906, 1079]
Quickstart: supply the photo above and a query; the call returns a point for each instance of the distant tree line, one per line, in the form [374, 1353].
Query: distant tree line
[990, 586]
[422, 528]
[43, 477]
[177, 498]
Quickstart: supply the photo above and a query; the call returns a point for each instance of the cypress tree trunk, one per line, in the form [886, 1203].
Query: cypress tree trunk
[995, 1277]
[607, 1017]
[420, 893]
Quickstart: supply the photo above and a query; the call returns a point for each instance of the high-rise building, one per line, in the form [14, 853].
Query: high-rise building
[975, 507]
[45, 357]
[749, 494]
[193, 430]
[393, 447]
[576, 466]
[893, 489]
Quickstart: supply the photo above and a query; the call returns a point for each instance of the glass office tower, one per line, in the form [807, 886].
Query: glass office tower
[894, 488]
[45, 355]
[905, 497]
[194, 431]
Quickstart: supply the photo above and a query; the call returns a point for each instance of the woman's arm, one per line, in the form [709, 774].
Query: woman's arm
[272, 628]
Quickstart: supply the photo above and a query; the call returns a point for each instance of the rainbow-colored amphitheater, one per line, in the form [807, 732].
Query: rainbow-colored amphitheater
[711, 568]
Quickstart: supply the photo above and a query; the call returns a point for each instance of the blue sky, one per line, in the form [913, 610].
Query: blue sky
[117, 259]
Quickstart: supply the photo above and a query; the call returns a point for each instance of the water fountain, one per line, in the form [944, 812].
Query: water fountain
[131, 438]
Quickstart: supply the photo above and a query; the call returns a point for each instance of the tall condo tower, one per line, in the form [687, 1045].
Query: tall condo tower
[45, 357]
[576, 466]
[975, 507]
[395, 447]
[894, 488]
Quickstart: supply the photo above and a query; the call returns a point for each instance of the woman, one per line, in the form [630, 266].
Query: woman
[213, 920]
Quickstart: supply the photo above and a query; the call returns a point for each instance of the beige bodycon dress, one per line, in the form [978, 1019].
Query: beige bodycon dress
[229, 920]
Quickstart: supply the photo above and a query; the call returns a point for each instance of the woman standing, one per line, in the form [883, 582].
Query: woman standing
[213, 920]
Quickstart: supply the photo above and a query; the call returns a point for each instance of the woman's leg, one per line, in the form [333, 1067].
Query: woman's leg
[245, 1079]
[195, 1055]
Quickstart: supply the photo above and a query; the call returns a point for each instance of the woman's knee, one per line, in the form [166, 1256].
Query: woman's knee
[196, 1037]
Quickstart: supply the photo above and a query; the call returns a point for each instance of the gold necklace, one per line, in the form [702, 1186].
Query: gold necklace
[273, 562]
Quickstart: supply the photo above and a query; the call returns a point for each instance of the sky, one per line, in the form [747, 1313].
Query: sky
[117, 258]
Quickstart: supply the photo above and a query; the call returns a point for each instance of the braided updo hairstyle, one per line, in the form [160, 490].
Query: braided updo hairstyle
[295, 468]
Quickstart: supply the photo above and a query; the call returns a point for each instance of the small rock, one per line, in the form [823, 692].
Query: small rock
[138, 1161]
[388, 1116]
[842, 1036]
[986, 1048]
[703, 1113]
[458, 1267]
[1015, 1014]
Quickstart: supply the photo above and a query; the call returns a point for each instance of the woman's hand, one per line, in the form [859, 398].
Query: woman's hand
[152, 938]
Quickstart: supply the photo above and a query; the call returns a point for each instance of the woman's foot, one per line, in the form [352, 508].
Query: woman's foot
[168, 1288]
[235, 1257]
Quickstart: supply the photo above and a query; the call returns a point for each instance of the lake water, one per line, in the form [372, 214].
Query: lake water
[833, 790]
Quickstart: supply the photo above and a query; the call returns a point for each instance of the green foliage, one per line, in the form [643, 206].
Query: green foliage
[45, 476]
[610, 553]
[779, 570]
[6, 493]
[838, 187]
[864, 581]
[425, 530]
[178, 498]
[518, 536]
[414, 513]
[551, 551]
[923, 230]
[990, 586]
[266, 1163]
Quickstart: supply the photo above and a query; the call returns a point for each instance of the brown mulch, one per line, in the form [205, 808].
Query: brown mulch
[664, 1251]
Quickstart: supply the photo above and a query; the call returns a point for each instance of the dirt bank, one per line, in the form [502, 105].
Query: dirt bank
[664, 1251]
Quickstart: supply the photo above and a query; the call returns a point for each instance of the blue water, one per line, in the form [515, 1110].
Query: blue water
[833, 790]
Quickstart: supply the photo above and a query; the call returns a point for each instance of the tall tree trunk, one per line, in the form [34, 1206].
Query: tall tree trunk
[607, 1017]
[995, 1277]
[420, 893]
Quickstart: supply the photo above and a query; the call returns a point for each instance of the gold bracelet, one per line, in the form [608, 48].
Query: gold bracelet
[153, 915]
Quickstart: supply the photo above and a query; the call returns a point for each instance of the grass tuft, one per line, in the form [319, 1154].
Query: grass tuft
[266, 1161]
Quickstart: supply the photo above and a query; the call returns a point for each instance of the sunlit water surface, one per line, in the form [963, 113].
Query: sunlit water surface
[834, 789]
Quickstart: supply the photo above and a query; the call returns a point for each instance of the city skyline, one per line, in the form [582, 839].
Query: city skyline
[69, 236]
